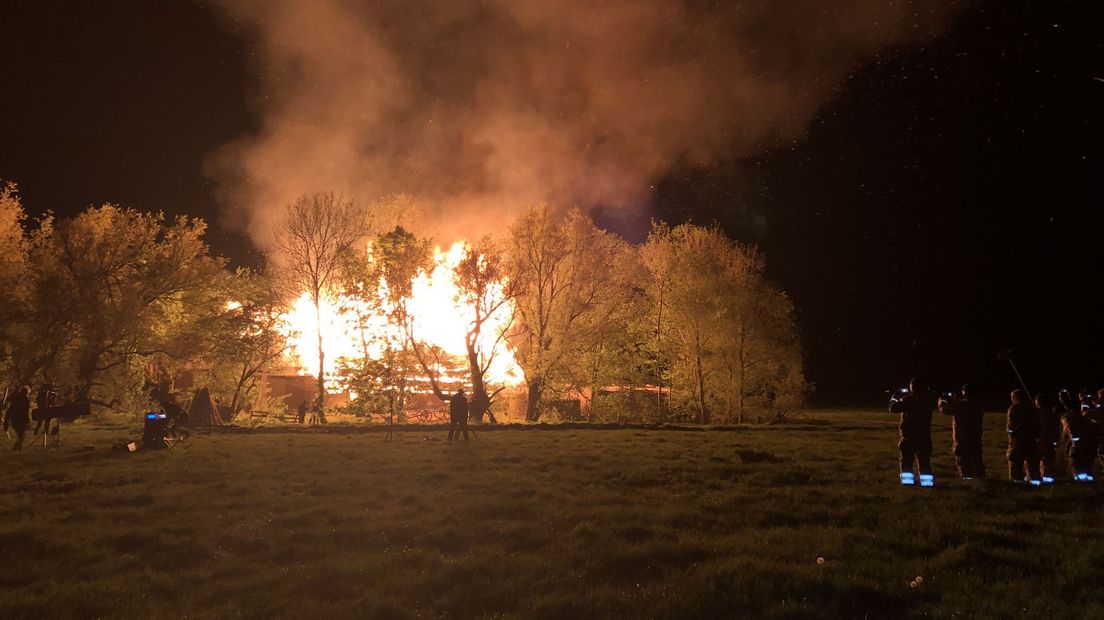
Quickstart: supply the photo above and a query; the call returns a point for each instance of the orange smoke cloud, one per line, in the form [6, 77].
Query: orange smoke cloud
[481, 108]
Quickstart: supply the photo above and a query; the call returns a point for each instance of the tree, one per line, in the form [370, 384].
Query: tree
[570, 280]
[312, 240]
[655, 256]
[377, 289]
[108, 290]
[687, 270]
[13, 243]
[762, 354]
[729, 335]
[402, 257]
[244, 338]
[622, 357]
[13, 256]
[483, 288]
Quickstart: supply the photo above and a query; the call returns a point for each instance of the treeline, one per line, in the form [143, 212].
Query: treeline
[113, 302]
[688, 312]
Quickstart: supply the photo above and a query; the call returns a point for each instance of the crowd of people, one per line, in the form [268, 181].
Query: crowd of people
[1049, 437]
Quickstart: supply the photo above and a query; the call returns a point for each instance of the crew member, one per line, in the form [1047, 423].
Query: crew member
[1023, 440]
[458, 415]
[1082, 438]
[915, 408]
[1050, 429]
[18, 415]
[966, 417]
[316, 412]
[1097, 418]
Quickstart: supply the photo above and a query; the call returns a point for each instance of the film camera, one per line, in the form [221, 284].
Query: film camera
[46, 416]
[155, 429]
[64, 413]
[898, 394]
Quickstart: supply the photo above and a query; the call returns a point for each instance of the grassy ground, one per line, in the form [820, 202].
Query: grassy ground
[571, 523]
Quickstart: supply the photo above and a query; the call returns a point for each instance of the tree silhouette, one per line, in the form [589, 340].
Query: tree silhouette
[316, 233]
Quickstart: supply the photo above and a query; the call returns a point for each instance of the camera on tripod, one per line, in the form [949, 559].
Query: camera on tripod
[48, 417]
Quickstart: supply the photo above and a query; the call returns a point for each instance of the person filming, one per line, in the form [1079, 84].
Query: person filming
[966, 424]
[914, 442]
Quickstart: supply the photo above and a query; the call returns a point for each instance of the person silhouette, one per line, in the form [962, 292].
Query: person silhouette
[458, 415]
[1023, 440]
[966, 424]
[914, 439]
[18, 415]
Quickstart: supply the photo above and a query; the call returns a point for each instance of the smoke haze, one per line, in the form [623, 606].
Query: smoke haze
[480, 108]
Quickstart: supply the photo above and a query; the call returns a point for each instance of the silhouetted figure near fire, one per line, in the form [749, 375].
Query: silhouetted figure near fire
[18, 415]
[915, 407]
[1050, 430]
[966, 423]
[1023, 440]
[458, 415]
[315, 412]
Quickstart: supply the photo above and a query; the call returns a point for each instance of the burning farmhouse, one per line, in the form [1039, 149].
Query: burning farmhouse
[395, 355]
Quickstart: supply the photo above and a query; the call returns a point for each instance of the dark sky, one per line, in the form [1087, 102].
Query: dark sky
[945, 205]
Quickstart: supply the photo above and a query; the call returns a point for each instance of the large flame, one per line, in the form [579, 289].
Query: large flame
[439, 319]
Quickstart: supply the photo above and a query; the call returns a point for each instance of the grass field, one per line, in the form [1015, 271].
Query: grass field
[552, 524]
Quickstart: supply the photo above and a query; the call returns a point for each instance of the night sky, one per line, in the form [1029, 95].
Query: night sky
[943, 206]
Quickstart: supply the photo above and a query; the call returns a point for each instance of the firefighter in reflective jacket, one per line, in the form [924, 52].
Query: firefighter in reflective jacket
[915, 407]
[1050, 430]
[966, 417]
[1023, 440]
[1082, 437]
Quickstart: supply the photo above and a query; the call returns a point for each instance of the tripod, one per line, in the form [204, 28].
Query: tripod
[56, 443]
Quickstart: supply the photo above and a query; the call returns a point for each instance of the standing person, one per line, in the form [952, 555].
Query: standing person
[1097, 418]
[1023, 440]
[1082, 438]
[302, 410]
[315, 410]
[1050, 429]
[915, 408]
[458, 415]
[19, 415]
[966, 423]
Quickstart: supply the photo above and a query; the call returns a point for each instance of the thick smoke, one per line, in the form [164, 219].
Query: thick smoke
[480, 108]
